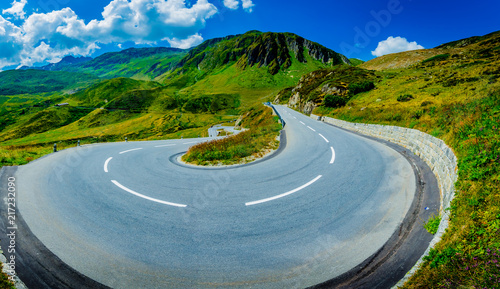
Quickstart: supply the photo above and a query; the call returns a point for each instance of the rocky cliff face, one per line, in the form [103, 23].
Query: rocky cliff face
[312, 88]
[275, 51]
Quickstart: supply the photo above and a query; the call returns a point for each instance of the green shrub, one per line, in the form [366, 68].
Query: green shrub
[432, 224]
[440, 258]
[334, 101]
[358, 87]
[405, 97]
[440, 57]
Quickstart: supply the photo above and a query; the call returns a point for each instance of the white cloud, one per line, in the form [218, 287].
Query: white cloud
[189, 42]
[235, 4]
[17, 9]
[51, 36]
[248, 5]
[232, 4]
[394, 45]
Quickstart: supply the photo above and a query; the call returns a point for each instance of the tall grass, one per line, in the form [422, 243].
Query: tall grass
[261, 136]
[457, 100]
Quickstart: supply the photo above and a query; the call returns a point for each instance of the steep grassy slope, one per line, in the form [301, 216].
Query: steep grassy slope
[137, 63]
[274, 51]
[454, 96]
[254, 65]
[326, 87]
[409, 58]
[105, 91]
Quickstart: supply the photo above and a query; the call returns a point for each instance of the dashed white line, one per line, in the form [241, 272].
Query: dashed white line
[191, 142]
[169, 145]
[311, 128]
[302, 123]
[124, 152]
[324, 138]
[285, 194]
[333, 156]
[106, 165]
[146, 197]
[294, 117]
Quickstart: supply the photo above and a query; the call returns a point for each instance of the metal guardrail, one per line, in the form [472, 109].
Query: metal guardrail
[282, 121]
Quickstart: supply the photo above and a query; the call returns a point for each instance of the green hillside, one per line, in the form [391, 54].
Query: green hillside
[156, 93]
[453, 94]
[17, 82]
[105, 91]
[137, 63]
[254, 65]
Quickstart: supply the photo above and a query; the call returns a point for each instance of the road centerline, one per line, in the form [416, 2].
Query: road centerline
[146, 197]
[169, 145]
[124, 152]
[311, 128]
[106, 163]
[285, 194]
[333, 156]
[324, 138]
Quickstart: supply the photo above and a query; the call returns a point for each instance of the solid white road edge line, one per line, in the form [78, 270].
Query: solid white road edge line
[146, 197]
[333, 156]
[106, 165]
[124, 152]
[285, 194]
[324, 138]
[191, 142]
[170, 145]
[311, 128]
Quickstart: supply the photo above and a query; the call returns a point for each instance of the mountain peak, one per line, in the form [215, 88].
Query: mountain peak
[254, 48]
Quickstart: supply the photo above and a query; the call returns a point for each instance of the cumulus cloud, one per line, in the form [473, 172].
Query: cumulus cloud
[17, 9]
[232, 4]
[248, 5]
[394, 45]
[50, 36]
[235, 4]
[191, 41]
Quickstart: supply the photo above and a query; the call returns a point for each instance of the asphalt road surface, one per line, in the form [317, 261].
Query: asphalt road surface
[128, 215]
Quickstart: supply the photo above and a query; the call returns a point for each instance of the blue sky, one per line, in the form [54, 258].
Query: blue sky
[34, 32]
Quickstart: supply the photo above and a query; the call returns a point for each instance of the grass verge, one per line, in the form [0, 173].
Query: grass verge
[5, 282]
[243, 147]
[469, 252]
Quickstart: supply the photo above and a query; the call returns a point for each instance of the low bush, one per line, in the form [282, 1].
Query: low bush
[359, 87]
[334, 101]
[405, 97]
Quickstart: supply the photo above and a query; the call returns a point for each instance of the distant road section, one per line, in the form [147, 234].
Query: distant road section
[127, 216]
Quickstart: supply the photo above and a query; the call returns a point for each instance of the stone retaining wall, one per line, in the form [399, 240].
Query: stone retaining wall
[433, 151]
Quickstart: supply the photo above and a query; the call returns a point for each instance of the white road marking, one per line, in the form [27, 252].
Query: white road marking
[294, 117]
[333, 156]
[146, 197]
[324, 138]
[106, 165]
[285, 194]
[311, 128]
[191, 142]
[124, 152]
[302, 123]
[169, 145]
